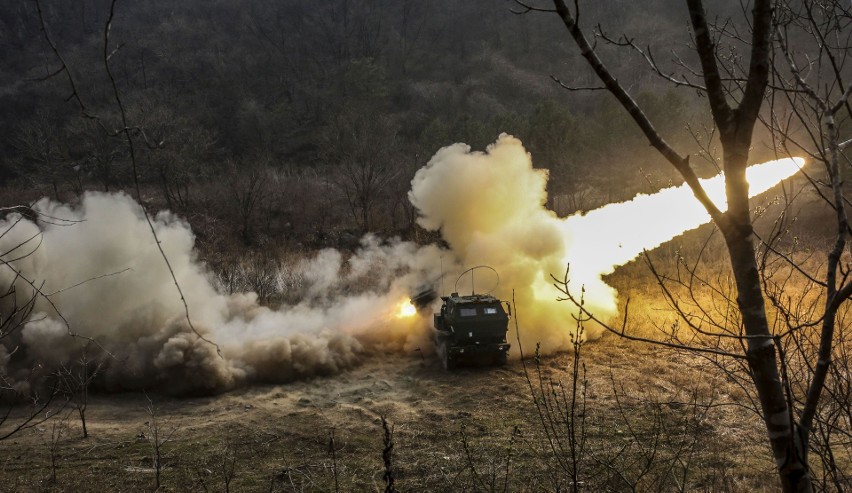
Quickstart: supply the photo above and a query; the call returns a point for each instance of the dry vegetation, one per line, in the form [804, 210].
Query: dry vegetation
[644, 419]
[654, 422]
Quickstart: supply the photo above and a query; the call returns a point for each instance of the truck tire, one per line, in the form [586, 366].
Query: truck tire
[500, 359]
[447, 361]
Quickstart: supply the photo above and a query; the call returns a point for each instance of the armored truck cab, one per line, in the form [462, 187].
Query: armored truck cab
[471, 330]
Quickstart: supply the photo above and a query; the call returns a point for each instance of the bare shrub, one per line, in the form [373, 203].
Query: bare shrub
[76, 380]
[52, 441]
[158, 435]
[273, 279]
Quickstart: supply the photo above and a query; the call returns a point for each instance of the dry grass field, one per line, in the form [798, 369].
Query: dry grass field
[627, 417]
[654, 421]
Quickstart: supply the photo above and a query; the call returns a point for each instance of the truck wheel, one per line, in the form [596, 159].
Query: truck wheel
[447, 361]
[444, 355]
[500, 360]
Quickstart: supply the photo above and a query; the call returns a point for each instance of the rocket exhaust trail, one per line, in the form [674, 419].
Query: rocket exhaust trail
[615, 234]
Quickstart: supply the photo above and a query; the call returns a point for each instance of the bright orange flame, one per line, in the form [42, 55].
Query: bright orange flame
[406, 309]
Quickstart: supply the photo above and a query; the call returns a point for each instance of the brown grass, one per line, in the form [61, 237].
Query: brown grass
[278, 435]
[472, 429]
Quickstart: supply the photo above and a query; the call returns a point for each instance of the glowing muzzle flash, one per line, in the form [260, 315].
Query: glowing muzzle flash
[406, 309]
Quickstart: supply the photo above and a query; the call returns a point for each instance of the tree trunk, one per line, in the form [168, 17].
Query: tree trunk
[787, 444]
[788, 440]
[82, 412]
[762, 361]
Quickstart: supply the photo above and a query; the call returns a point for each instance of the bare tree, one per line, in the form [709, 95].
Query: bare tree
[248, 183]
[42, 156]
[735, 93]
[813, 45]
[53, 441]
[413, 17]
[159, 434]
[94, 154]
[227, 462]
[363, 149]
[176, 153]
[76, 379]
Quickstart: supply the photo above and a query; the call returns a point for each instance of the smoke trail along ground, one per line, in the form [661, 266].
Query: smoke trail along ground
[488, 206]
[137, 316]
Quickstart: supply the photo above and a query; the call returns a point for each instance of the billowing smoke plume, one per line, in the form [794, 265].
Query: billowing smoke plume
[102, 278]
[490, 208]
[134, 313]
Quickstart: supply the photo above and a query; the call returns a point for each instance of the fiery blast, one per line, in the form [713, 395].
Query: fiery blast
[489, 207]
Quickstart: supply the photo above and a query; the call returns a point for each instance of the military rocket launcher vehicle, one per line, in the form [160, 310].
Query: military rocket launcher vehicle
[471, 330]
[468, 330]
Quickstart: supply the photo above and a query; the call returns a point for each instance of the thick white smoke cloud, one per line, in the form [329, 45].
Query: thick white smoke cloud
[490, 208]
[136, 314]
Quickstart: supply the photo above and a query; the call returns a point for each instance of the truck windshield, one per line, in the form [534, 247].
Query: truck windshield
[467, 312]
[490, 310]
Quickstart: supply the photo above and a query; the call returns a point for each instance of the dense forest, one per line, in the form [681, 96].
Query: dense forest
[294, 120]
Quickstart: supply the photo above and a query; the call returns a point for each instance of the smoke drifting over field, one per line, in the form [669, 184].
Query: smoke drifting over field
[489, 207]
[137, 315]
